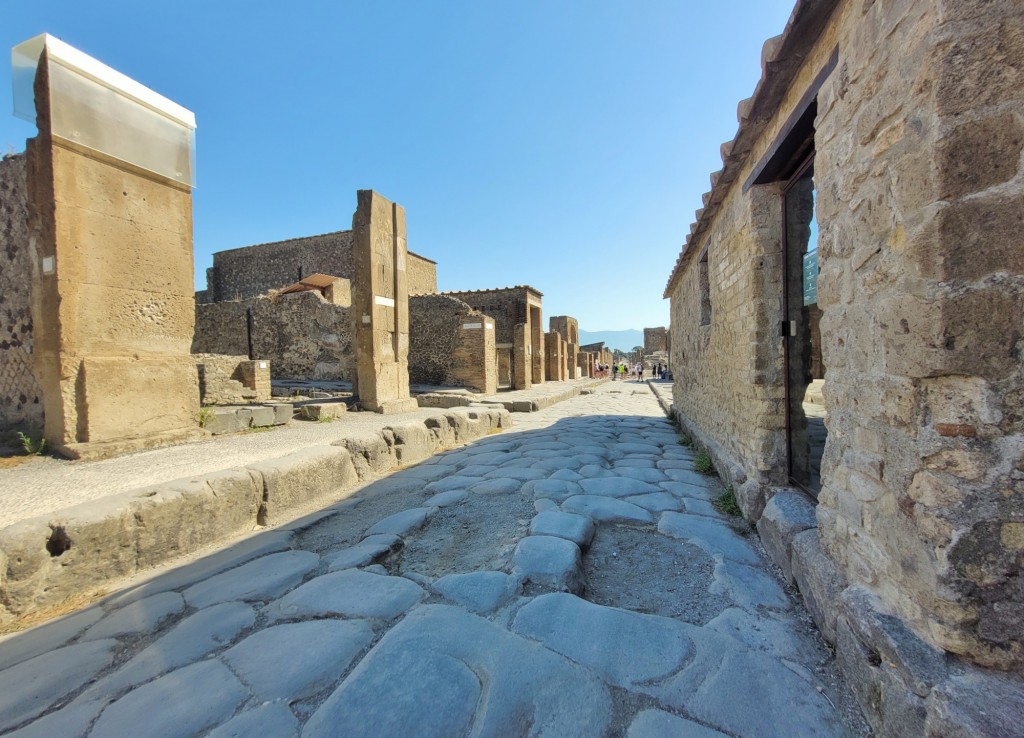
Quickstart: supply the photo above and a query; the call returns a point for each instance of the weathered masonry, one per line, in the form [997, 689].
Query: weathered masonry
[519, 332]
[569, 329]
[251, 271]
[109, 201]
[451, 344]
[655, 339]
[866, 229]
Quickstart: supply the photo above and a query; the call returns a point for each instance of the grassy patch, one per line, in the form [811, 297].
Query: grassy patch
[702, 463]
[32, 444]
[259, 429]
[727, 504]
[204, 416]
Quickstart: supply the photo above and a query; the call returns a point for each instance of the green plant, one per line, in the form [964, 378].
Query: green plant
[702, 462]
[204, 416]
[33, 445]
[685, 440]
[727, 504]
[326, 419]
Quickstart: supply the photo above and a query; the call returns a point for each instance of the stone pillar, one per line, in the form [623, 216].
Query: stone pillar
[380, 301]
[553, 354]
[536, 343]
[522, 372]
[110, 203]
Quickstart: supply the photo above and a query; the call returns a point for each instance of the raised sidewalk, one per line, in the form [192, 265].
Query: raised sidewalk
[73, 526]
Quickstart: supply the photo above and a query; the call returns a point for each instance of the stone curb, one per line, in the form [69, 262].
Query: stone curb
[46, 559]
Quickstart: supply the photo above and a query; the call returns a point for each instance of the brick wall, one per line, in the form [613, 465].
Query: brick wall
[655, 339]
[20, 395]
[232, 380]
[450, 344]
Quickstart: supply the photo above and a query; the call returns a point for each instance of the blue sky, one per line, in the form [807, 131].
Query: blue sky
[563, 145]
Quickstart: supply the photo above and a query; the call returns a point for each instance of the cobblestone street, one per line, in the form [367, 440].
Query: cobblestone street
[568, 577]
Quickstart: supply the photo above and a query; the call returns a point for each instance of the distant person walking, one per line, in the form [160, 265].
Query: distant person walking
[640, 372]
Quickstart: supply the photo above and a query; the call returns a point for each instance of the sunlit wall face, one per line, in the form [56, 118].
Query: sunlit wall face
[98, 108]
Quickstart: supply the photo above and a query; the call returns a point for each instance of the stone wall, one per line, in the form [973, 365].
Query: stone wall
[301, 334]
[444, 348]
[508, 307]
[251, 271]
[655, 339]
[920, 541]
[20, 397]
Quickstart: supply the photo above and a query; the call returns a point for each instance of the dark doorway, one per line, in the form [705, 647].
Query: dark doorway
[805, 372]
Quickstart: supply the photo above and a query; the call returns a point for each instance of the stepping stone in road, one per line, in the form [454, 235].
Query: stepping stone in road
[576, 528]
[607, 509]
[549, 562]
[295, 660]
[617, 486]
[441, 656]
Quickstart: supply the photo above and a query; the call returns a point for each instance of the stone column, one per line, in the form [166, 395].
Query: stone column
[113, 308]
[380, 302]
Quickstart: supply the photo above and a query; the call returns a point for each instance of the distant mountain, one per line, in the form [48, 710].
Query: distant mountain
[621, 340]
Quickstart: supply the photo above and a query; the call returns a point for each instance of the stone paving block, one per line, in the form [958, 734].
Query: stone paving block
[686, 464]
[491, 458]
[27, 689]
[717, 539]
[595, 471]
[479, 591]
[552, 489]
[785, 516]
[745, 693]
[656, 501]
[567, 475]
[523, 474]
[978, 702]
[369, 549]
[296, 660]
[323, 410]
[652, 476]
[497, 487]
[607, 509]
[30, 643]
[402, 523]
[183, 703]
[443, 654]
[139, 617]
[697, 506]
[634, 464]
[426, 472]
[661, 724]
[639, 448]
[262, 579]
[748, 587]
[544, 505]
[624, 648]
[558, 463]
[682, 489]
[617, 486]
[777, 637]
[190, 640]
[576, 528]
[350, 593]
[273, 720]
[444, 499]
[549, 562]
[456, 481]
[687, 476]
[476, 470]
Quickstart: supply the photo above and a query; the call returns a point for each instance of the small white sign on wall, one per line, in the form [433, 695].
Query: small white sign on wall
[385, 301]
[366, 318]
[470, 326]
[47, 265]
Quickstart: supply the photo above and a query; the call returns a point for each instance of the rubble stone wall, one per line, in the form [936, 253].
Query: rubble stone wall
[918, 142]
[655, 339]
[20, 396]
[232, 380]
[301, 334]
[506, 306]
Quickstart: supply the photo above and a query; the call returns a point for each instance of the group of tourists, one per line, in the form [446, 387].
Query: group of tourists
[623, 371]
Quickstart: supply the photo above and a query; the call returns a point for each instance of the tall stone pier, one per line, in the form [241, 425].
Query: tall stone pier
[380, 302]
[110, 209]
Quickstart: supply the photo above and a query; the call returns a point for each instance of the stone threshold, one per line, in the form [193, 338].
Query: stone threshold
[49, 559]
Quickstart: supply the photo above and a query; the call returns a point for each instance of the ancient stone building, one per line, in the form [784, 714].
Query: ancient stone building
[569, 329]
[599, 352]
[519, 331]
[250, 271]
[655, 339]
[451, 344]
[20, 396]
[866, 228]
